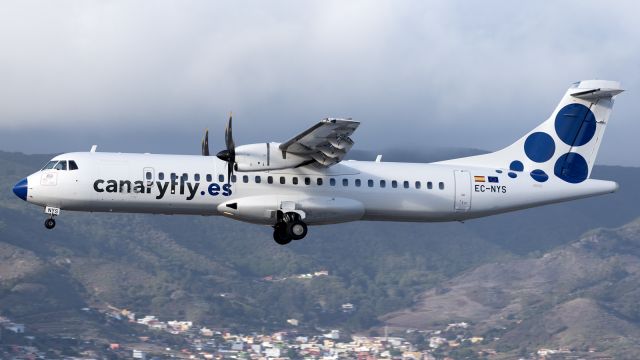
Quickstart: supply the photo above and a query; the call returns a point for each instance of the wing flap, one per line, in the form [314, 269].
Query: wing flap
[326, 142]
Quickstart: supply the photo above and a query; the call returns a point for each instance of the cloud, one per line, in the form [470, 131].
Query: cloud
[439, 72]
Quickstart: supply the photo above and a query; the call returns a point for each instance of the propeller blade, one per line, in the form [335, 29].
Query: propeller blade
[205, 143]
[228, 135]
[228, 154]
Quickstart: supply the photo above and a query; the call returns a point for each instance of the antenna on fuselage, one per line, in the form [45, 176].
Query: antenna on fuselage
[93, 148]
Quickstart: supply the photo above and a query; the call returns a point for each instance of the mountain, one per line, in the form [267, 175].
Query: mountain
[212, 270]
[579, 296]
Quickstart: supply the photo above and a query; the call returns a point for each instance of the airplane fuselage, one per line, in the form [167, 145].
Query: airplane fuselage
[349, 191]
[305, 180]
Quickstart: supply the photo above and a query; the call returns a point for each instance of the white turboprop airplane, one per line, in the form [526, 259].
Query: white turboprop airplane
[304, 180]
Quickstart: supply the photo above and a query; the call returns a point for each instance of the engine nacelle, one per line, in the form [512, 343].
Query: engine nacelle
[265, 156]
[317, 210]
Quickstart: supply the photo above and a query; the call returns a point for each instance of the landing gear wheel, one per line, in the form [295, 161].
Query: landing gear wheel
[280, 234]
[297, 230]
[50, 223]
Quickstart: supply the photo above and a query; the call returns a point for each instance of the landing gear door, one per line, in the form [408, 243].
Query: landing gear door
[463, 190]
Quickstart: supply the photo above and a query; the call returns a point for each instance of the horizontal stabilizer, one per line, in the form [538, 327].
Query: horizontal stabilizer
[596, 89]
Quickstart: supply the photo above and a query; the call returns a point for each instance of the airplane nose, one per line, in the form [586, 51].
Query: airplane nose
[20, 189]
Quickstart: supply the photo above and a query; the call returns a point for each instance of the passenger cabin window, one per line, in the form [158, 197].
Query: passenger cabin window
[258, 179]
[148, 175]
[405, 184]
[184, 177]
[234, 178]
[358, 182]
[319, 182]
[345, 182]
[196, 177]
[370, 183]
[61, 165]
[418, 185]
[245, 179]
[282, 180]
[383, 183]
[332, 182]
[160, 176]
[429, 185]
[307, 181]
[221, 178]
[270, 179]
[173, 176]
[209, 178]
[394, 184]
[295, 180]
[441, 185]
[73, 165]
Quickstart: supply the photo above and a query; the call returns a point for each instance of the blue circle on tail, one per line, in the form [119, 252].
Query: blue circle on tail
[571, 167]
[539, 175]
[539, 147]
[575, 124]
[516, 165]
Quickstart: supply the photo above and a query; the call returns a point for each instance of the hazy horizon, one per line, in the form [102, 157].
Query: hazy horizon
[151, 76]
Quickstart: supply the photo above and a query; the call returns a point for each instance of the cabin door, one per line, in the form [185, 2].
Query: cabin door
[462, 190]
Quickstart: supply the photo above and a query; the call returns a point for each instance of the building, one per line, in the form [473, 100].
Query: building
[138, 354]
[348, 307]
[272, 352]
[16, 328]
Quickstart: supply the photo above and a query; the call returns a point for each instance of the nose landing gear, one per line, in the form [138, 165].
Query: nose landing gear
[50, 223]
[289, 227]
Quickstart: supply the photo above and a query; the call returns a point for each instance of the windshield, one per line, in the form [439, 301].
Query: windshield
[50, 165]
[61, 165]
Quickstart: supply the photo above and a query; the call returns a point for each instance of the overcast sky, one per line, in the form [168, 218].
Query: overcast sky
[150, 76]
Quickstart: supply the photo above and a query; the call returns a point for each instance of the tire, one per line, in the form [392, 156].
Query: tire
[50, 223]
[280, 234]
[297, 230]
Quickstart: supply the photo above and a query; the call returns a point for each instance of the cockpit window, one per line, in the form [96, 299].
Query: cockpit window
[50, 165]
[61, 165]
[73, 165]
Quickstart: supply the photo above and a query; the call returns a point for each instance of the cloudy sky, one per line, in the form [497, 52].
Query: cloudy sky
[150, 76]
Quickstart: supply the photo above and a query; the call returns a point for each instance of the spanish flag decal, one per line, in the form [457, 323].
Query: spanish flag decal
[478, 178]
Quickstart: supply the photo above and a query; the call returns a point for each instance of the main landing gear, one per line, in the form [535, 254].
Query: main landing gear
[289, 227]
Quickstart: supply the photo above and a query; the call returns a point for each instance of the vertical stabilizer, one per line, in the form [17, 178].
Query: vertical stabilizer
[566, 144]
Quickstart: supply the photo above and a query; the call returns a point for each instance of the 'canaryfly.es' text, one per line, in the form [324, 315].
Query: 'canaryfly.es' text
[163, 187]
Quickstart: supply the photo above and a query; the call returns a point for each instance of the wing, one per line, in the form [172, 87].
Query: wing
[326, 143]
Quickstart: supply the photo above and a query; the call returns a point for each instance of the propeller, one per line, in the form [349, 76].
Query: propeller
[228, 154]
[205, 143]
